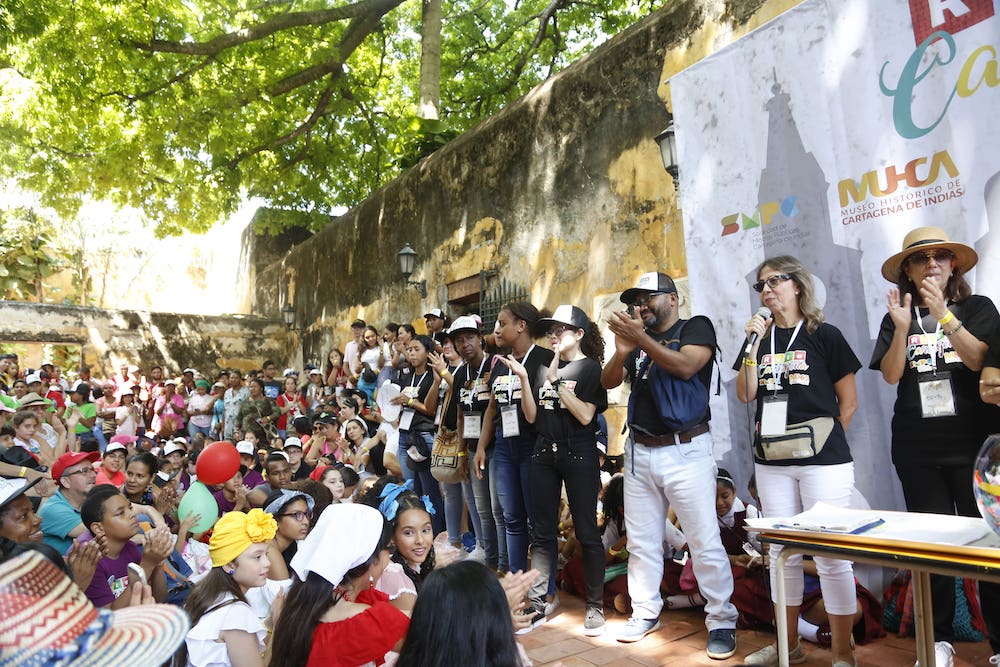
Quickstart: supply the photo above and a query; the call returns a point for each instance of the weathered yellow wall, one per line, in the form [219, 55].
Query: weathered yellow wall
[563, 192]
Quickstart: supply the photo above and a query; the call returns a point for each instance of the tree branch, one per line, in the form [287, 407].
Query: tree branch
[180, 76]
[278, 23]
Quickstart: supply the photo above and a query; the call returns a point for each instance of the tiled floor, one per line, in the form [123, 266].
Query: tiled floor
[682, 640]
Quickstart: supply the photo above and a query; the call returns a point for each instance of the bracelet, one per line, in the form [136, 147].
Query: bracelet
[955, 330]
[461, 454]
[409, 402]
[947, 318]
[747, 361]
[23, 471]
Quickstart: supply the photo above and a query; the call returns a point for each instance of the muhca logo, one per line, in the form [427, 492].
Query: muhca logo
[873, 195]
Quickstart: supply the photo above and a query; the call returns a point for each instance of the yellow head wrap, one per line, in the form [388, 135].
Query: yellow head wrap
[236, 531]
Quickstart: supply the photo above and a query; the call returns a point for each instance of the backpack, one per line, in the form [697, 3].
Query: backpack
[681, 404]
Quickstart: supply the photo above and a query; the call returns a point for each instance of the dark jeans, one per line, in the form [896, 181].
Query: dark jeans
[947, 489]
[576, 466]
[424, 483]
[512, 467]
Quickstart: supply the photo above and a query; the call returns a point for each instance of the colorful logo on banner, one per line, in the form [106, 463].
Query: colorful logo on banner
[951, 16]
[762, 215]
[926, 181]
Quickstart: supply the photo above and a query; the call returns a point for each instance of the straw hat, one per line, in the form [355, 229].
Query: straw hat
[46, 620]
[923, 239]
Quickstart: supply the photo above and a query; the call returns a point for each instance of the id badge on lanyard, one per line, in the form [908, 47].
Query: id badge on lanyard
[774, 415]
[472, 425]
[937, 395]
[510, 427]
[406, 418]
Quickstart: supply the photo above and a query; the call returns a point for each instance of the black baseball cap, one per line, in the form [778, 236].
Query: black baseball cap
[650, 282]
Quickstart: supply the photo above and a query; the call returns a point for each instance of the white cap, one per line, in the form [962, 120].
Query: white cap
[290, 371]
[46, 363]
[189, 370]
[114, 447]
[434, 312]
[174, 446]
[12, 488]
[170, 381]
[463, 323]
[244, 447]
[315, 371]
[281, 454]
[126, 391]
[32, 377]
[133, 368]
[293, 441]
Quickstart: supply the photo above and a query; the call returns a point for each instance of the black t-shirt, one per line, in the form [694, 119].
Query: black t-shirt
[696, 331]
[554, 422]
[272, 389]
[450, 416]
[419, 388]
[993, 354]
[472, 390]
[940, 440]
[375, 464]
[506, 387]
[814, 362]
[303, 471]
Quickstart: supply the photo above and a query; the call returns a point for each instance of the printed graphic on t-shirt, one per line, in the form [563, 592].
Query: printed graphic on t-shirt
[118, 585]
[507, 388]
[920, 348]
[475, 390]
[548, 398]
[776, 368]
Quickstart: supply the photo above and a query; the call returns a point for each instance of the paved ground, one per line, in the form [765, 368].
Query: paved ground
[682, 642]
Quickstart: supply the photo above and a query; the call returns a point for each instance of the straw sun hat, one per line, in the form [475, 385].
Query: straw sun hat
[923, 239]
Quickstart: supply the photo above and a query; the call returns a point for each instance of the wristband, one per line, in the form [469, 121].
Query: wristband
[23, 471]
[747, 361]
[461, 454]
[955, 330]
[947, 318]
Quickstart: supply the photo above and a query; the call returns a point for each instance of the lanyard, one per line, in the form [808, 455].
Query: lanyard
[937, 338]
[416, 382]
[778, 370]
[472, 381]
[510, 375]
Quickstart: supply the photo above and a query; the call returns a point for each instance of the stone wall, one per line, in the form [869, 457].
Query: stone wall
[109, 338]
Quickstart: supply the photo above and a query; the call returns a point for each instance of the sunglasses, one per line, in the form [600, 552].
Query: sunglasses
[643, 299]
[772, 281]
[299, 516]
[939, 257]
[559, 329]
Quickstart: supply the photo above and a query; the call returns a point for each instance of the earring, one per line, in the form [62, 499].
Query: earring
[371, 581]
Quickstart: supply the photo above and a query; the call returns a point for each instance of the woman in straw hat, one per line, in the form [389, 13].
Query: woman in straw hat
[225, 630]
[333, 615]
[931, 345]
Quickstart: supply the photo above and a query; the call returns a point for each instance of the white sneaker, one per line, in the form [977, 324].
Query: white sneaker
[478, 554]
[944, 655]
[550, 607]
[995, 660]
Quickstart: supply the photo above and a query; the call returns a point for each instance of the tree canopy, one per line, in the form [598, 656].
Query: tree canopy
[182, 107]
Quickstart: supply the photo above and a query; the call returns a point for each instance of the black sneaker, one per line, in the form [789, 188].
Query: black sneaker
[721, 643]
[537, 616]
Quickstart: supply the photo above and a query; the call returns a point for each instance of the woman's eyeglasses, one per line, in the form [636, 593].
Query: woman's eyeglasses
[921, 258]
[558, 330]
[772, 281]
[299, 516]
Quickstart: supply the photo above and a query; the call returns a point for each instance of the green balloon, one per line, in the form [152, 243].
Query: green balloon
[199, 500]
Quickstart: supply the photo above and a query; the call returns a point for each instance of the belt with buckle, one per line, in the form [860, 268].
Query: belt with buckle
[667, 439]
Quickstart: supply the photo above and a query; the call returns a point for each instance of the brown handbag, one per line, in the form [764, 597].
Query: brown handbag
[447, 465]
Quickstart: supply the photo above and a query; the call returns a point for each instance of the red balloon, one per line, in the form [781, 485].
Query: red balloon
[217, 463]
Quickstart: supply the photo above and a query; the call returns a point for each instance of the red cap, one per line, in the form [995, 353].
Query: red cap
[71, 459]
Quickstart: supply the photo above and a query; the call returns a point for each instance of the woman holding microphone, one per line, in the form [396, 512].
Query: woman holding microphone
[800, 371]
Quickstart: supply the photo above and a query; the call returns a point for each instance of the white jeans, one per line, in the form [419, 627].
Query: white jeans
[681, 476]
[788, 490]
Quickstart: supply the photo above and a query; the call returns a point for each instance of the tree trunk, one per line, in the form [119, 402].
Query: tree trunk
[430, 60]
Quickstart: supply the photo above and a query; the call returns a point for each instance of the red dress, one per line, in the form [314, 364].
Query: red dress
[360, 639]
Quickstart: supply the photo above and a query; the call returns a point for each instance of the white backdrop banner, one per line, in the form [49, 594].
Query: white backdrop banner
[827, 134]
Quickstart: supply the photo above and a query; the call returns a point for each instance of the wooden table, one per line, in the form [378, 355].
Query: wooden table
[891, 545]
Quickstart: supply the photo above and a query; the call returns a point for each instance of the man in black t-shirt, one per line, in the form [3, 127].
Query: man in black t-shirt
[665, 467]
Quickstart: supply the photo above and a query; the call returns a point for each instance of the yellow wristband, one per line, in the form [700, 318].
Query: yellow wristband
[749, 362]
[461, 454]
[947, 318]
[23, 471]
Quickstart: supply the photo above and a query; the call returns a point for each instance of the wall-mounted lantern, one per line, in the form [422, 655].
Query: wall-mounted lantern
[288, 315]
[668, 151]
[407, 261]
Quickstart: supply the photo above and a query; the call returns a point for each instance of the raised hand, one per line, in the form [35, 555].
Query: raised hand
[900, 309]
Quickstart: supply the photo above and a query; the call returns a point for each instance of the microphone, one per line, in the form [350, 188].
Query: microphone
[763, 313]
